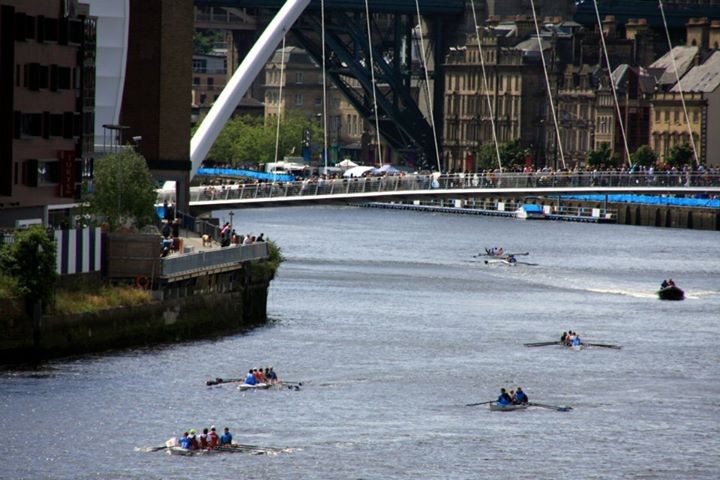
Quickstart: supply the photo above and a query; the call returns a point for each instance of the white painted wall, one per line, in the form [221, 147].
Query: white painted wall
[113, 22]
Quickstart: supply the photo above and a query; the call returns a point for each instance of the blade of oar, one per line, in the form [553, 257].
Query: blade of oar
[604, 345]
[150, 449]
[542, 344]
[551, 407]
[291, 383]
[516, 254]
[219, 381]
[479, 403]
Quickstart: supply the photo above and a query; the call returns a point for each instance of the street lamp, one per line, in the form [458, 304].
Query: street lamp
[231, 214]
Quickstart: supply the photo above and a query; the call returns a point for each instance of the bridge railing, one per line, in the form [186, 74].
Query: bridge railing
[416, 182]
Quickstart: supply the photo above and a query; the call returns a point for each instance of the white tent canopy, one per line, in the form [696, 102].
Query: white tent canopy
[357, 171]
[347, 163]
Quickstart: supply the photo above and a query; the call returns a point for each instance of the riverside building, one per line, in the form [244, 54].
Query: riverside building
[47, 98]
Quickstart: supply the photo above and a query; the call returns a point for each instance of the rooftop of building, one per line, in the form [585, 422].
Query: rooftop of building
[664, 69]
[702, 78]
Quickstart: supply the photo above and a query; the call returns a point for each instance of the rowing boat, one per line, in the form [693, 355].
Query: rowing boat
[233, 448]
[257, 386]
[495, 407]
[582, 346]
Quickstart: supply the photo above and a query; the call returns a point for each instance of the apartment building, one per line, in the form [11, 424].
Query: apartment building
[47, 98]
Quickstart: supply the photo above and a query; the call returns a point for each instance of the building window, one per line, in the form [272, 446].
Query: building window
[50, 29]
[211, 83]
[298, 99]
[31, 125]
[299, 77]
[199, 65]
[196, 81]
[318, 101]
[48, 172]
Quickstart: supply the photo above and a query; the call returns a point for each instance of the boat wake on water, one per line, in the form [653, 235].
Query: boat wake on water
[618, 291]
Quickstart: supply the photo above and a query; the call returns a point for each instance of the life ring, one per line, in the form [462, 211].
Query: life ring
[142, 282]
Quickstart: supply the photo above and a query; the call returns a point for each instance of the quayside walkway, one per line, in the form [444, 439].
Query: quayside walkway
[422, 186]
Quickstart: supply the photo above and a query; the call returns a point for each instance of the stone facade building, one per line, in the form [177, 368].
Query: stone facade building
[293, 81]
[701, 94]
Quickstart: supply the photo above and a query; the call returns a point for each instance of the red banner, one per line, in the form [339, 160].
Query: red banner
[67, 173]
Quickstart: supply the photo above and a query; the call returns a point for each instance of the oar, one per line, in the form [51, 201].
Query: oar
[542, 344]
[604, 345]
[516, 254]
[551, 407]
[150, 449]
[285, 382]
[219, 380]
[479, 403]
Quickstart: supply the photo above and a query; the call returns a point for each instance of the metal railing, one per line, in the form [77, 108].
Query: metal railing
[190, 262]
[419, 182]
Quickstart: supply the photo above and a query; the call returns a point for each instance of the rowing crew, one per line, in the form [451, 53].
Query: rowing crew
[494, 251]
[256, 376]
[570, 339]
[513, 398]
[206, 440]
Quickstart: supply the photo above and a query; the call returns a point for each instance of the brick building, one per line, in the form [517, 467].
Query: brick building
[157, 98]
[47, 98]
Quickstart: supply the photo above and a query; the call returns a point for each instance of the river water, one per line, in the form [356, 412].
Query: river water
[392, 327]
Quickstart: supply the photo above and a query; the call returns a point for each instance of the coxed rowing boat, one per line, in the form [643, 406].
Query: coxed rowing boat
[172, 448]
[257, 386]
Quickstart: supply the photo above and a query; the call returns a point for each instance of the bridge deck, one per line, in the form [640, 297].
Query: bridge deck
[408, 187]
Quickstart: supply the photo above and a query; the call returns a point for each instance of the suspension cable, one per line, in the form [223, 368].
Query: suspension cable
[677, 77]
[431, 110]
[372, 77]
[279, 109]
[612, 85]
[324, 85]
[485, 85]
[547, 84]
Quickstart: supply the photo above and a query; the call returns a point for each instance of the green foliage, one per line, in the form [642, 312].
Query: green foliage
[31, 261]
[99, 297]
[275, 254]
[205, 41]
[246, 139]
[600, 157]
[267, 268]
[8, 286]
[644, 156]
[123, 191]
[487, 157]
[512, 154]
[680, 155]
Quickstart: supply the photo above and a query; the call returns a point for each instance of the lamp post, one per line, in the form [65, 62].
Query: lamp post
[231, 214]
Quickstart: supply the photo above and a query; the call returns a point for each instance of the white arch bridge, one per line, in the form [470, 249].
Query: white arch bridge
[399, 188]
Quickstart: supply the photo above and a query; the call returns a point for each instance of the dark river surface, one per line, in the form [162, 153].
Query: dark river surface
[393, 326]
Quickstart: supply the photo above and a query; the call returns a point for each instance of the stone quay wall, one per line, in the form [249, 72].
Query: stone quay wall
[227, 303]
